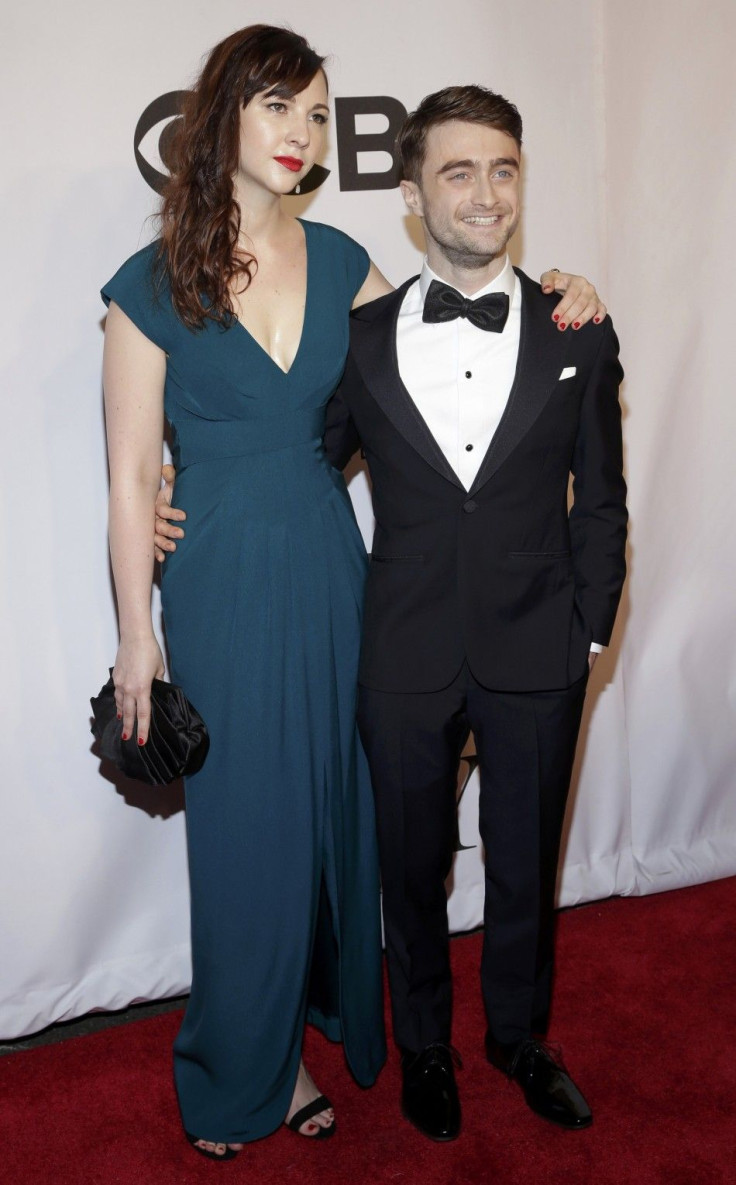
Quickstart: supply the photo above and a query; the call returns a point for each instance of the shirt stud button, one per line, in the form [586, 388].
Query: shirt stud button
[468, 448]
[468, 374]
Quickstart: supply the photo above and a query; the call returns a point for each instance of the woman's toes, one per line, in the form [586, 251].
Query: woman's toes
[210, 1146]
[310, 1127]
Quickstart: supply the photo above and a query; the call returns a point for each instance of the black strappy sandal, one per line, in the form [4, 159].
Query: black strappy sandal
[228, 1154]
[321, 1103]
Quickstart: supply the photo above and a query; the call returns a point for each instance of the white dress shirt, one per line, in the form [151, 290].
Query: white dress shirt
[459, 376]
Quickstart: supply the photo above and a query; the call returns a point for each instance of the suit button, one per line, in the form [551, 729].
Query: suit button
[470, 506]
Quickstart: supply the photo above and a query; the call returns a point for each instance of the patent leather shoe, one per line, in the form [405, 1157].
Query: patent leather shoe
[429, 1097]
[548, 1088]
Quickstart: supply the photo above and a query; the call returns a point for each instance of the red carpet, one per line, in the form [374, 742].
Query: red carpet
[645, 1011]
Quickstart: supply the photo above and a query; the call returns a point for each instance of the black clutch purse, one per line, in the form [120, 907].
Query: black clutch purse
[177, 743]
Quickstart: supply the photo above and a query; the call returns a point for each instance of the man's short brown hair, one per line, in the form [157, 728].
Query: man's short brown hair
[472, 104]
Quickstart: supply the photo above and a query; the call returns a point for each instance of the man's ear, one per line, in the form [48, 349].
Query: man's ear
[412, 195]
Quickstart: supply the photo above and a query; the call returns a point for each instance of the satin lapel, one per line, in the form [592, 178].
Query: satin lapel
[373, 346]
[542, 350]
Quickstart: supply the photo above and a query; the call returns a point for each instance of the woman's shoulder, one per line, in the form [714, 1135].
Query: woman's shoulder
[344, 256]
[139, 287]
[332, 236]
[140, 270]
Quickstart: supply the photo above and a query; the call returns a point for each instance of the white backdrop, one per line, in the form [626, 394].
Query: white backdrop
[630, 179]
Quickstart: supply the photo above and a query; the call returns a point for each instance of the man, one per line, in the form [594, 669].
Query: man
[485, 601]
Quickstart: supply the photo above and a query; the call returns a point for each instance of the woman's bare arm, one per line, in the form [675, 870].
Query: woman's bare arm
[133, 374]
[580, 301]
[374, 285]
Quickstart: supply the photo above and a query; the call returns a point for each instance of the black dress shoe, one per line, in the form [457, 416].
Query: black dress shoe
[429, 1096]
[548, 1088]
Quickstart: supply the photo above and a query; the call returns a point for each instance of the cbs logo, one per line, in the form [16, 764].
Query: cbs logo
[360, 144]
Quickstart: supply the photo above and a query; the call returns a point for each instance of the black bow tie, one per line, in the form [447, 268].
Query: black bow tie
[443, 303]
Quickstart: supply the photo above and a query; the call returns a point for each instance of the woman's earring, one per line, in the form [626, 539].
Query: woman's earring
[298, 187]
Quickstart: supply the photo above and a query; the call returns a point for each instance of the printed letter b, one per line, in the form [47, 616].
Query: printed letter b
[351, 143]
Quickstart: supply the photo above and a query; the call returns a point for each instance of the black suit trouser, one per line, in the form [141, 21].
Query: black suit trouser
[525, 744]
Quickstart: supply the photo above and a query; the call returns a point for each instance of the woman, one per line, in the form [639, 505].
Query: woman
[235, 327]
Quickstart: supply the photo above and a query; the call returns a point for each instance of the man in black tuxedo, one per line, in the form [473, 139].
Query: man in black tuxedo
[486, 601]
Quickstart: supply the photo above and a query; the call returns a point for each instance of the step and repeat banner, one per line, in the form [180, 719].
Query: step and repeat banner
[626, 180]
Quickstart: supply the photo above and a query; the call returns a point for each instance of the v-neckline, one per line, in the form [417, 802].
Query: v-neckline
[255, 340]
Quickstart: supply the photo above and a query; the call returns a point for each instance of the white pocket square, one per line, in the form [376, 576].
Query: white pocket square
[568, 372]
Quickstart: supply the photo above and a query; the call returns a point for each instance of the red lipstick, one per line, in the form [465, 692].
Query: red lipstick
[290, 162]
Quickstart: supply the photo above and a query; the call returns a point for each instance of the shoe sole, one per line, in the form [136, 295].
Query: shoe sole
[563, 1127]
[428, 1135]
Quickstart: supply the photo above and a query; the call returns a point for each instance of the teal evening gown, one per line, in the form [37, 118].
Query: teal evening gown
[262, 606]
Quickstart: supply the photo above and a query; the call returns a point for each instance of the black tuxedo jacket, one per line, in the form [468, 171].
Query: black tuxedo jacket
[500, 575]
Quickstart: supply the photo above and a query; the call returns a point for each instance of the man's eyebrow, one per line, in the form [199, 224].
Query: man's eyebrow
[474, 164]
[457, 164]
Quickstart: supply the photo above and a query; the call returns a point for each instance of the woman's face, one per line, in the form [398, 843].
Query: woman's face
[281, 138]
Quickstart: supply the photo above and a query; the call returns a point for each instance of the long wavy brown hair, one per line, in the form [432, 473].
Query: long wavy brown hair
[200, 217]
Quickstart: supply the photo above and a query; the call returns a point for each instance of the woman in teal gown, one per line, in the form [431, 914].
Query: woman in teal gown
[262, 609]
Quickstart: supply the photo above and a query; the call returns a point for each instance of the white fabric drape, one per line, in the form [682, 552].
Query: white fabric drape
[630, 178]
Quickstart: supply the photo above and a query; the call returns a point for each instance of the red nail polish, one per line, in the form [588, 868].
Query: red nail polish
[555, 316]
[596, 320]
[125, 736]
[120, 715]
[576, 325]
[141, 741]
[562, 325]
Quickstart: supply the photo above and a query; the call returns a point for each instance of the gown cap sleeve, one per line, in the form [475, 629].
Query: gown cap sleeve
[359, 264]
[349, 262]
[133, 288]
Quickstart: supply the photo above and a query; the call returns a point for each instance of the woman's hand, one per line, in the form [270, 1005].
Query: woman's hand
[581, 302]
[165, 532]
[137, 664]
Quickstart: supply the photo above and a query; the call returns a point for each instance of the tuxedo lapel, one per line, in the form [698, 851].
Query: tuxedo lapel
[541, 352]
[373, 347]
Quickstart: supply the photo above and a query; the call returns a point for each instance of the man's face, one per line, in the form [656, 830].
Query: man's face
[469, 192]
